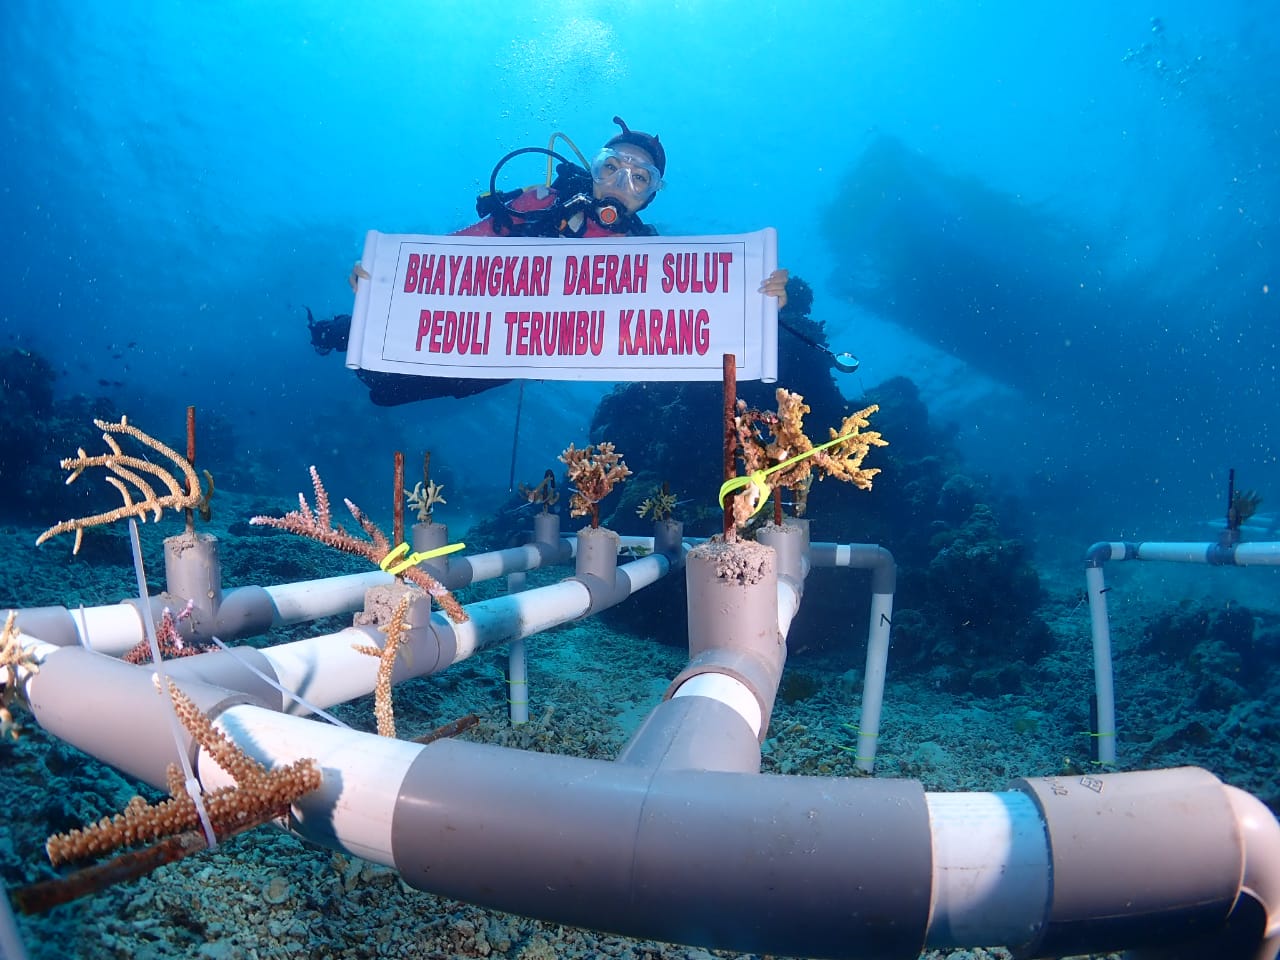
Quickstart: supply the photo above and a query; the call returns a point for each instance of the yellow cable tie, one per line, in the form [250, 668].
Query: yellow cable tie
[391, 556]
[414, 559]
[756, 478]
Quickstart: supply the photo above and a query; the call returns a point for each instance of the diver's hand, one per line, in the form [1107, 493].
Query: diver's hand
[360, 273]
[775, 285]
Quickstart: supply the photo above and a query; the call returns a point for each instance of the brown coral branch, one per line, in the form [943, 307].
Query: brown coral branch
[843, 461]
[168, 638]
[451, 729]
[768, 438]
[395, 630]
[257, 793]
[44, 896]
[544, 493]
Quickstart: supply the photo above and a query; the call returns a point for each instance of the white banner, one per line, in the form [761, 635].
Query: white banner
[627, 308]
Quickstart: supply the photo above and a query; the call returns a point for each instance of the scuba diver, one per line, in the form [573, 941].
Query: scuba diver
[602, 198]
[390, 389]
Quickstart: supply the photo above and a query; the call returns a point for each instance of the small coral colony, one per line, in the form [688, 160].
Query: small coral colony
[769, 446]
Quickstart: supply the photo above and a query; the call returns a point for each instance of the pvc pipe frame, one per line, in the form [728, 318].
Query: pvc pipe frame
[1214, 554]
[682, 839]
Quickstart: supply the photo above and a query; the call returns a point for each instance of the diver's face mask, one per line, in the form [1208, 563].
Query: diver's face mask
[625, 176]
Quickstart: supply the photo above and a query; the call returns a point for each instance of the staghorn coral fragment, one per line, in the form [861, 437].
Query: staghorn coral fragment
[128, 474]
[317, 524]
[395, 629]
[259, 795]
[15, 661]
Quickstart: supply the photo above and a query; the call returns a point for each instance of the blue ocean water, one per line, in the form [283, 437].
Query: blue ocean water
[181, 179]
[1061, 225]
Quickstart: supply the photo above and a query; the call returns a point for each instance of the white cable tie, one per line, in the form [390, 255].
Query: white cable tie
[162, 683]
[279, 686]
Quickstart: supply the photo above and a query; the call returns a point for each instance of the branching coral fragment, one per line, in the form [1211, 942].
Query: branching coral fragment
[259, 795]
[395, 630]
[544, 493]
[767, 439]
[658, 505]
[593, 471]
[128, 474]
[317, 524]
[15, 660]
[423, 497]
[843, 461]
[168, 638]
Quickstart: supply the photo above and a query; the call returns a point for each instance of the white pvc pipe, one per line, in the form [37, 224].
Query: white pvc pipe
[645, 571]
[1244, 554]
[517, 666]
[644, 543]
[517, 683]
[733, 693]
[354, 806]
[873, 682]
[1261, 863]
[1175, 552]
[113, 630]
[990, 867]
[313, 599]
[1257, 554]
[848, 556]
[326, 670]
[1103, 670]
[503, 619]
[788, 606]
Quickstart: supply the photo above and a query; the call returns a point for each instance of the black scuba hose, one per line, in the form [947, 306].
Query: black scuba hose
[493, 177]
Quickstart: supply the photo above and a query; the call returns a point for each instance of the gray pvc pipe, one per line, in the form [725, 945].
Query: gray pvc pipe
[791, 543]
[733, 620]
[739, 861]
[693, 733]
[1172, 850]
[193, 571]
[861, 556]
[668, 540]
